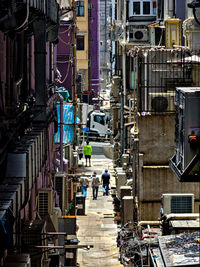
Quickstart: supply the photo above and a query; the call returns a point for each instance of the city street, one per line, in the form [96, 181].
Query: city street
[97, 227]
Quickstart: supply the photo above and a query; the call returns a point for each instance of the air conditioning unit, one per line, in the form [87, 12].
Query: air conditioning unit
[29, 142]
[116, 86]
[17, 181]
[178, 203]
[68, 154]
[11, 196]
[139, 35]
[75, 159]
[19, 164]
[11, 189]
[161, 102]
[45, 202]
[60, 184]
[125, 160]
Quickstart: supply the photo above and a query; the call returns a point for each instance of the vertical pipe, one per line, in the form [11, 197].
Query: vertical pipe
[74, 68]
[40, 61]
[122, 121]
[61, 132]
[145, 83]
[171, 8]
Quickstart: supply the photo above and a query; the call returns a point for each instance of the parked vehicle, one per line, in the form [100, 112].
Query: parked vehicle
[97, 124]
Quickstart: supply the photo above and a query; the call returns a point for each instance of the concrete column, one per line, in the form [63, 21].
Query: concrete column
[127, 207]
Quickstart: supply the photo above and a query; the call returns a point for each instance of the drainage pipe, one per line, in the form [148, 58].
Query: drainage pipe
[61, 131]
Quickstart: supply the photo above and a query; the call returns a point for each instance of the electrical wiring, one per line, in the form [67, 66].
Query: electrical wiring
[63, 41]
[25, 21]
[69, 28]
[63, 62]
[66, 74]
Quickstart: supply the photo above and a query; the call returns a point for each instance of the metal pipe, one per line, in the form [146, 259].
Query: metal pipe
[122, 121]
[171, 12]
[145, 83]
[61, 131]
[74, 68]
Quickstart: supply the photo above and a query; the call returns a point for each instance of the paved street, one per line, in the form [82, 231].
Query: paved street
[97, 228]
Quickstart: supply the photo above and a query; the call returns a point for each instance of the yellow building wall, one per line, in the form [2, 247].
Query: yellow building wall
[82, 56]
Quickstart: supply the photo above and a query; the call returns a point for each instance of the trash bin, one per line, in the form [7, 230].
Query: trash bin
[80, 204]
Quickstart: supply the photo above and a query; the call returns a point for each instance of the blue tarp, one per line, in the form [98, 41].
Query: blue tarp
[68, 130]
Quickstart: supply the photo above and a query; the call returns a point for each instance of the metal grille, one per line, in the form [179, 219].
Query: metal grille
[43, 204]
[157, 72]
[181, 204]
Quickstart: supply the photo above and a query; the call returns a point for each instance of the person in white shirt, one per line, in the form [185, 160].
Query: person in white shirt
[95, 185]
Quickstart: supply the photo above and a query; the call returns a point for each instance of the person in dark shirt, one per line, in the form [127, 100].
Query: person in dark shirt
[105, 180]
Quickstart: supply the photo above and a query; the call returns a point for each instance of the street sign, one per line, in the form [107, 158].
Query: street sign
[85, 129]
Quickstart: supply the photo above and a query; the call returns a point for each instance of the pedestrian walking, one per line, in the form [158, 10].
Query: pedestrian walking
[95, 185]
[87, 153]
[105, 180]
[84, 182]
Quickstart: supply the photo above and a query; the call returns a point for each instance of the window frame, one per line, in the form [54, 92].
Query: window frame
[142, 7]
[79, 8]
[83, 38]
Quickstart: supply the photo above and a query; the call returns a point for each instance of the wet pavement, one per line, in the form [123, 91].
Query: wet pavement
[97, 227]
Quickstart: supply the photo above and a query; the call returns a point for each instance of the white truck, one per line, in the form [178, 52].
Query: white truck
[94, 122]
[98, 124]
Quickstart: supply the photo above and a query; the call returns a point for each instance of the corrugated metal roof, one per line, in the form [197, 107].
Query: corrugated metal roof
[68, 118]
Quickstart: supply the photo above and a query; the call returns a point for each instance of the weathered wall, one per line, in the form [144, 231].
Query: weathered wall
[155, 181]
[156, 138]
[156, 146]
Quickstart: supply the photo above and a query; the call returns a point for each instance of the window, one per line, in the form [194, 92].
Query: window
[146, 8]
[99, 119]
[136, 8]
[80, 43]
[142, 7]
[80, 8]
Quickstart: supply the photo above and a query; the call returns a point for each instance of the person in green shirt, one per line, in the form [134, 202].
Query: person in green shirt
[87, 151]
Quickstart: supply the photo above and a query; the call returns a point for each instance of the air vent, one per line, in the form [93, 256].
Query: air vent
[181, 204]
[45, 202]
[61, 188]
[178, 203]
[138, 35]
[161, 102]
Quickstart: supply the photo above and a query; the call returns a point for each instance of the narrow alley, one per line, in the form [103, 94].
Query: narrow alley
[97, 227]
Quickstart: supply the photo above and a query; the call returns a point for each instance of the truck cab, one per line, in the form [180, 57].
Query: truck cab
[98, 123]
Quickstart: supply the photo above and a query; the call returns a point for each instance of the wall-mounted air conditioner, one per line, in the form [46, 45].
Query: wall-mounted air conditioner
[17, 181]
[45, 202]
[178, 203]
[115, 86]
[161, 102]
[68, 154]
[29, 142]
[139, 35]
[19, 164]
[10, 196]
[13, 189]
[60, 184]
